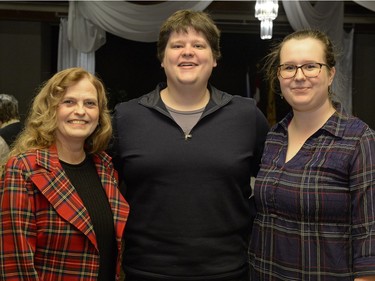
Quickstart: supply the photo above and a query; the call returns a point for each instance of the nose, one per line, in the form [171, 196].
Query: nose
[79, 109]
[188, 52]
[299, 74]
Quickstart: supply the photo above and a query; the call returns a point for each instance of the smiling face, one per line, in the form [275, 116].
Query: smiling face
[302, 93]
[77, 113]
[188, 58]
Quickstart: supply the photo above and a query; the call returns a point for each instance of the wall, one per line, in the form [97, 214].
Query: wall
[363, 78]
[25, 59]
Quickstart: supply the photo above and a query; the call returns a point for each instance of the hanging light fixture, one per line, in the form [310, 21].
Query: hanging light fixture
[266, 12]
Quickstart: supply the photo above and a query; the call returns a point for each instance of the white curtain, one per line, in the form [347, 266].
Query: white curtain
[88, 22]
[369, 4]
[69, 56]
[328, 16]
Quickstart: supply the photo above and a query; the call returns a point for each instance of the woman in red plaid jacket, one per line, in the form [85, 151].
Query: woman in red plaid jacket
[62, 216]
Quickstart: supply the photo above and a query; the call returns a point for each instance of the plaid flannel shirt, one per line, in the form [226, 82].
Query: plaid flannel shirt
[316, 213]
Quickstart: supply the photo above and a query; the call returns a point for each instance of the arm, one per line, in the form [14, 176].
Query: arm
[4, 150]
[365, 278]
[262, 128]
[362, 188]
[17, 226]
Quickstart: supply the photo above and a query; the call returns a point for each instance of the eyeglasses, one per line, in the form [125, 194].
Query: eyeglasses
[310, 70]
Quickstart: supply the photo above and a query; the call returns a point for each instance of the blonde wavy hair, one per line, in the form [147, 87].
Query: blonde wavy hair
[41, 123]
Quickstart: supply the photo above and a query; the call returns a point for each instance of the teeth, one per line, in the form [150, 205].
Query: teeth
[78, 122]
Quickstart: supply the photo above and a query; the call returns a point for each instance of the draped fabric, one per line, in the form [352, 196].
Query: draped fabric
[88, 22]
[85, 30]
[328, 16]
[69, 56]
[367, 4]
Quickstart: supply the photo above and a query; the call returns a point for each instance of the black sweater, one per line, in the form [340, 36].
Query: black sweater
[86, 181]
[190, 215]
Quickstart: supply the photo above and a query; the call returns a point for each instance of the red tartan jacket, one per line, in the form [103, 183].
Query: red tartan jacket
[45, 231]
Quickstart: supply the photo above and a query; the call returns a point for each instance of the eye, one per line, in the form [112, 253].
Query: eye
[91, 103]
[199, 46]
[176, 46]
[67, 101]
[288, 67]
[311, 66]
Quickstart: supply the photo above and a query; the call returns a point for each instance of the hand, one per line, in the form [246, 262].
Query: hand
[365, 278]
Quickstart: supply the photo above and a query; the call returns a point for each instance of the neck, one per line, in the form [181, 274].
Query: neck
[312, 120]
[186, 99]
[71, 154]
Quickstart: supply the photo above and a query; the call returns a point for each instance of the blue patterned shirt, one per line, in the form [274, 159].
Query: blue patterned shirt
[316, 213]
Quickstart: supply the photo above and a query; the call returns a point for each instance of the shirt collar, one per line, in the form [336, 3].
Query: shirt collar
[335, 125]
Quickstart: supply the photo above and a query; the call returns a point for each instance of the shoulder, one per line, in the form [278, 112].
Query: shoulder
[149, 99]
[102, 158]
[361, 133]
[245, 102]
[353, 127]
[249, 106]
[222, 98]
[2, 142]
[25, 162]
[35, 159]
[4, 150]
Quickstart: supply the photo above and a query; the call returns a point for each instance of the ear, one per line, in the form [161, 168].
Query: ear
[332, 73]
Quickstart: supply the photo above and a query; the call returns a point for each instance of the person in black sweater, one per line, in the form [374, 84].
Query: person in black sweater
[10, 124]
[186, 152]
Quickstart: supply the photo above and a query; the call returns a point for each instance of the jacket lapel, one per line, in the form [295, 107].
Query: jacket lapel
[58, 190]
[119, 206]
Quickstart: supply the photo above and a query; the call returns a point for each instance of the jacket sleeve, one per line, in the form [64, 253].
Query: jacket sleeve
[17, 225]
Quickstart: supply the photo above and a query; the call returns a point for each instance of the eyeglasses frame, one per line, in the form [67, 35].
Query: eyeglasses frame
[300, 67]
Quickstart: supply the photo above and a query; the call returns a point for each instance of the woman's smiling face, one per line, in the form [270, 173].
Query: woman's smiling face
[301, 92]
[78, 113]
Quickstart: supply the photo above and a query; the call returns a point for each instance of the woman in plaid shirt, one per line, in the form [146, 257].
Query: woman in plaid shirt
[315, 191]
[62, 216]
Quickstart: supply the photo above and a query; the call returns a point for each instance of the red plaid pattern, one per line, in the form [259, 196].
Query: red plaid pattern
[46, 232]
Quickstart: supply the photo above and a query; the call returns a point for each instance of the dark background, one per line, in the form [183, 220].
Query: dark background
[29, 32]
[136, 69]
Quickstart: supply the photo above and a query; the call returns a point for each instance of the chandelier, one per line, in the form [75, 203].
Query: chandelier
[266, 12]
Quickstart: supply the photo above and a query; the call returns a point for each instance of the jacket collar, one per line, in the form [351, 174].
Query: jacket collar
[55, 186]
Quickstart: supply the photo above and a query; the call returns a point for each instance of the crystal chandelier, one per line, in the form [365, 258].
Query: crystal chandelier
[266, 12]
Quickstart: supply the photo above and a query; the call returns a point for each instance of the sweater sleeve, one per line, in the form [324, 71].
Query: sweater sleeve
[262, 128]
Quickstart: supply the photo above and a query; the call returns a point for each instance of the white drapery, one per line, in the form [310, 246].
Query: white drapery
[328, 17]
[88, 22]
[367, 4]
[69, 56]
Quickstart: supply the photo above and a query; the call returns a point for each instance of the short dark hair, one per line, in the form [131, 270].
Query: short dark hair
[8, 108]
[181, 21]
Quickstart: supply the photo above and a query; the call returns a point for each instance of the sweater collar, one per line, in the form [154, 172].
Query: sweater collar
[217, 98]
